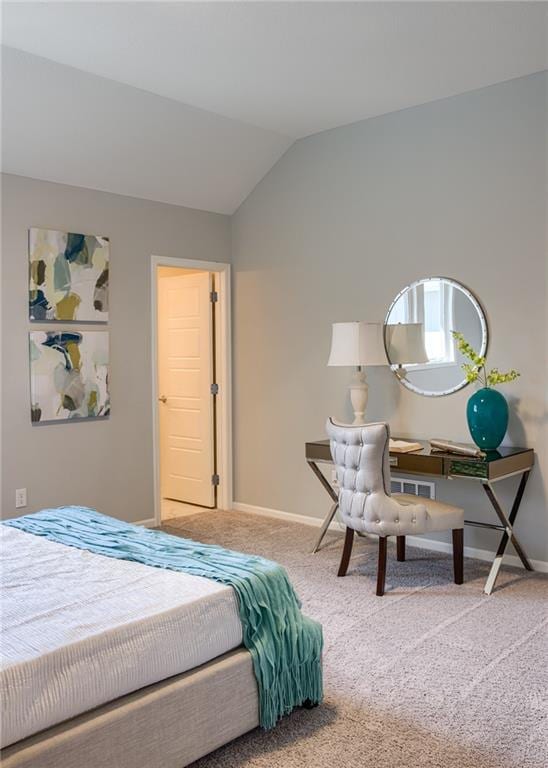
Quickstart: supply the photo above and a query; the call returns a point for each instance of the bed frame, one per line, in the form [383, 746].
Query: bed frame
[166, 725]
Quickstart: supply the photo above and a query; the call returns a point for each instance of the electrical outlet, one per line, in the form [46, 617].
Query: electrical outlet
[20, 498]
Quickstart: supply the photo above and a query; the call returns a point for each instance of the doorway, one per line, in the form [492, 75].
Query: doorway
[191, 354]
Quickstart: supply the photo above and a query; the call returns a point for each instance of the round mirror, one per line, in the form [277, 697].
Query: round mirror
[418, 339]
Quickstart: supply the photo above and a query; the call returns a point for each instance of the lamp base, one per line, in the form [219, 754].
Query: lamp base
[359, 392]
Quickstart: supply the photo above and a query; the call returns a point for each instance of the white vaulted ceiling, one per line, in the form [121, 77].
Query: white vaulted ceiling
[192, 103]
[65, 125]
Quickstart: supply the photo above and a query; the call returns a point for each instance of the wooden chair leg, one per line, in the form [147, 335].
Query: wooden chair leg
[400, 548]
[381, 567]
[458, 554]
[347, 551]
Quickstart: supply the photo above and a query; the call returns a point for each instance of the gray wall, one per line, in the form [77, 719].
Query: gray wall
[346, 219]
[105, 464]
[340, 224]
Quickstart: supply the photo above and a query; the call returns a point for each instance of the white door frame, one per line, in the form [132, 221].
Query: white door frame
[223, 369]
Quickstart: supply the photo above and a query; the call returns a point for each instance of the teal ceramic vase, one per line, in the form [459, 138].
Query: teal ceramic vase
[487, 414]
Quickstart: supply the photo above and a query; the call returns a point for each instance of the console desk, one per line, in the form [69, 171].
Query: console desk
[486, 471]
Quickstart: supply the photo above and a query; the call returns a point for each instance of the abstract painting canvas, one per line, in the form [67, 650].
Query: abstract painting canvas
[69, 375]
[68, 276]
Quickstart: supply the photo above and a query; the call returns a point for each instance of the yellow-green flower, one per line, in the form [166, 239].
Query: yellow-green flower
[475, 370]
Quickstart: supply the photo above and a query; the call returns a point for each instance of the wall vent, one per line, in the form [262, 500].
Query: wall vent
[415, 487]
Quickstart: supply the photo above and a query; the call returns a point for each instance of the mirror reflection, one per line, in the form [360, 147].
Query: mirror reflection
[418, 339]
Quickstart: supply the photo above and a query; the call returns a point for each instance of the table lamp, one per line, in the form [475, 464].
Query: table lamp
[357, 344]
[405, 345]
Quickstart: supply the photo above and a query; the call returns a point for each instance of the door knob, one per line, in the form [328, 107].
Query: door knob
[162, 399]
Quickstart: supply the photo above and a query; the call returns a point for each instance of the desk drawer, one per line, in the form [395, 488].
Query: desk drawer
[460, 468]
[422, 465]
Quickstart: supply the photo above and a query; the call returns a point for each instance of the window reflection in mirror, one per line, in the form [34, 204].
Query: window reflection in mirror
[418, 338]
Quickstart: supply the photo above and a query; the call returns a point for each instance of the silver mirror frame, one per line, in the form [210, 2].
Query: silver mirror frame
[484, 333]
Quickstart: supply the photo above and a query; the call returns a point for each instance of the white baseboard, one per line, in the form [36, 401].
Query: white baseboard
[415, 541]
[315, 522]
[474, 552]
[150, 523]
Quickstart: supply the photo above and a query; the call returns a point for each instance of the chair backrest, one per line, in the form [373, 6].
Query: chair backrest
[361, 457]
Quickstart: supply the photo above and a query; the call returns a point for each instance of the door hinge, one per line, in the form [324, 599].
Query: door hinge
[214, 389]
[213, 297]
[215, 479]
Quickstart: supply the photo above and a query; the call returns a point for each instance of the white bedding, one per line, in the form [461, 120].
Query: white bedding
[80, 629]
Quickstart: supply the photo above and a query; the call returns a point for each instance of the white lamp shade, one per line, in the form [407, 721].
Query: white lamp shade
[405, 343]
[354, 344]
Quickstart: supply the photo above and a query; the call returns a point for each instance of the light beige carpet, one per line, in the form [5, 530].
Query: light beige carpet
[431, 674]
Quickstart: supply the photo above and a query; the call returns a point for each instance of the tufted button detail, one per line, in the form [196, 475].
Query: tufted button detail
[359, 457]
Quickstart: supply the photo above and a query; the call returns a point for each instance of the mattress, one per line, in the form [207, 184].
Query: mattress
[79, 629]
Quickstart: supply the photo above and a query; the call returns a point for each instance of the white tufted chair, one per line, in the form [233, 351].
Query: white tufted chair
[360, 454]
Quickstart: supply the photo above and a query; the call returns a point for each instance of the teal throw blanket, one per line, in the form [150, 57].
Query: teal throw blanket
[285, 645]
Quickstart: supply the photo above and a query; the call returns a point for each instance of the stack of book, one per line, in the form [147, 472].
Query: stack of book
[448, 446]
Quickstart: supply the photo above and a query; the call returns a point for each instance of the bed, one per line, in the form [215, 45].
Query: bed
[113, 662]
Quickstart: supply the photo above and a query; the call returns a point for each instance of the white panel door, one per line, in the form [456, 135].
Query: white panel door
[185, 375]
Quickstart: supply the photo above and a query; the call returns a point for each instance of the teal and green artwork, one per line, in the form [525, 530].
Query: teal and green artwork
[68, 276]
[69, 373]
